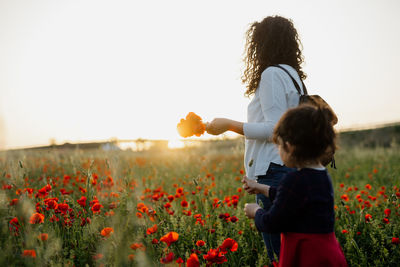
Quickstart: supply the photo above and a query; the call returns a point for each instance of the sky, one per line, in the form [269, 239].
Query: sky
[83, 70]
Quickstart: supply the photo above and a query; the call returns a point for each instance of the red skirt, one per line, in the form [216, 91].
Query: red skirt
[299, 249]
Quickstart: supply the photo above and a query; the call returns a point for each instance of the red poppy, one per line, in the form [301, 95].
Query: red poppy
[200, 243]
[82, 201]
[184, 203]
[136, 246]
[193, 261]
[387, 212]
[233, 219]
[14, 225]
[368, 217]
[97, 256]
[229, 244]
[152, 229]
[63, 208]
[344, 231]
[106, 232]
[168, 258]
[215, 256]
[170, 238]
[14, 202]
[29, 253]
[395, 240]
[36, 218]
[96, 208]
[43, 237]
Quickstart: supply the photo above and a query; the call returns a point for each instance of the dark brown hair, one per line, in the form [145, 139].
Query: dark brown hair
[272, 41]
[309, 130]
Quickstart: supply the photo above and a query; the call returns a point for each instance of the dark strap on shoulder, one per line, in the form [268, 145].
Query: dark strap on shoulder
[294, 81]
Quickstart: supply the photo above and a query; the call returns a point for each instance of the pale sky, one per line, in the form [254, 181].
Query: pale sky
[83, 70]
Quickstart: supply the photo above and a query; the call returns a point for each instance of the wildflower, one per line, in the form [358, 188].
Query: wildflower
[200, 243]
[82, 201]
[29, 253]
[233, 219]
[170, 238]
[155, 241]
[368, 217]
[131, 257]
[215, 256]
[229, 244]
[193, 125]
[14, 225]
[96, 208]
[168, 258]
[14, 202]
[386, 220]
[184, 203]
[43, 237]
[179, 261]
[106, 232]
[344, 231]
[97, 256]
[36, 218]
[387, 212]
[345, 197]
[63, 208]
[193, 261]
[395, 240]
[152, 229]
[136, 246]
[368, 186]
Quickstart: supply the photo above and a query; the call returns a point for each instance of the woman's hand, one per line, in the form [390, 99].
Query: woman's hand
[251, 209]
[220, 125]
[252, 187]
[217, 126]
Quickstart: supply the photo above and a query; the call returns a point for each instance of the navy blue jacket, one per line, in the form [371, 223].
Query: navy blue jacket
[302, 203]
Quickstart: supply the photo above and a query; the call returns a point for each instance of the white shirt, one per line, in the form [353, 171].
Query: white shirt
[275, 94]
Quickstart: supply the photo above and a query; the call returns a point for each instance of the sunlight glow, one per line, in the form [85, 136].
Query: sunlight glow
[175, 143]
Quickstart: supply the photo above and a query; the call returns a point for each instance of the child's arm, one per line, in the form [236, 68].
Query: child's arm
[252, 187]
[289, 197]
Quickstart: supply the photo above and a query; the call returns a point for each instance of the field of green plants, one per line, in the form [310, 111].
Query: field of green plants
[176, 207]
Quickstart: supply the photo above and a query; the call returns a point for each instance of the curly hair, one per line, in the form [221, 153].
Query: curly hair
[272, 41]
[310, 130]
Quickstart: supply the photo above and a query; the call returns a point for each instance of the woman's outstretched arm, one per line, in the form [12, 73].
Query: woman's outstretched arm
[220, 125]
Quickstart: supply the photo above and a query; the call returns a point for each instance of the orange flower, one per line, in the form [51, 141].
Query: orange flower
[36, 218]
[106, 232]
[170, 238]
[29, 253]
[193, 125]
[136, 246]
[98, 256]
[152, 230]
[193, 261]
[43, 237]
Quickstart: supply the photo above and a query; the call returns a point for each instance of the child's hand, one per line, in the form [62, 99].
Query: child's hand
[250, 209]
[252, 187]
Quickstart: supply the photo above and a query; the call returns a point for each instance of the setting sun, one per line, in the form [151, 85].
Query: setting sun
[175, 143]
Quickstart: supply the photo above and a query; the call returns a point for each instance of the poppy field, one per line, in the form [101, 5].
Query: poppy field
[175, 207]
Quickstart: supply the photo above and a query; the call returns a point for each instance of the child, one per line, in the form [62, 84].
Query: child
[302, 208]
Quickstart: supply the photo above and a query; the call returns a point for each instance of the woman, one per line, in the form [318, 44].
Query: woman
[270, 42]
